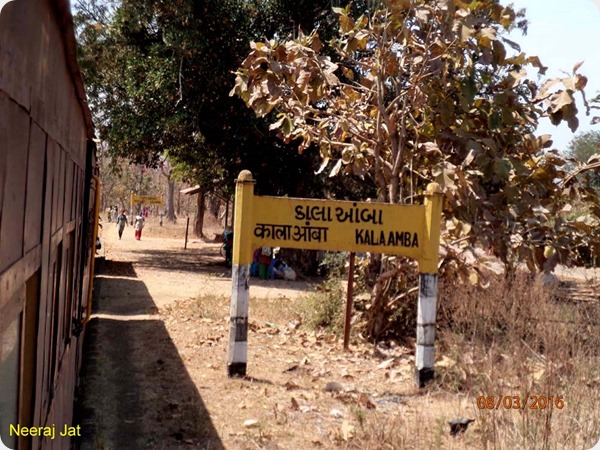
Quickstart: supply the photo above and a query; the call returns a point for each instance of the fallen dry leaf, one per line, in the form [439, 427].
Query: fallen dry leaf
[291, 385]
[365, 402]
[345, 397]
[294, 405]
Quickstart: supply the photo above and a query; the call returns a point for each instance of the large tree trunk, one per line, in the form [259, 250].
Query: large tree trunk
[199, 220]
[171, 200]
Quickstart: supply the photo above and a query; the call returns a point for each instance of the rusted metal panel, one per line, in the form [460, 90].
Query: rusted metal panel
[63, 403]
[55, 150]
[44, 130]
[62, 97]
[14, 68]
[15, 276]
[45, 286]
[68, 209]
[41, 87]
[77, 136]
[15, 143]
[11, 309]
[74, 191]
[4, 100]
[60, 204]
[35, 187]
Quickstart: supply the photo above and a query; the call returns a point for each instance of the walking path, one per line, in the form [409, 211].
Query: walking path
[135, 390]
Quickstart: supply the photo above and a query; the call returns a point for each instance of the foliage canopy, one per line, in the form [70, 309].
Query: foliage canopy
[418, 91]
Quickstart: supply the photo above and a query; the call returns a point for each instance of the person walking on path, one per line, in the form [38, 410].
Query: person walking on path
[121, 223]
[139, 226]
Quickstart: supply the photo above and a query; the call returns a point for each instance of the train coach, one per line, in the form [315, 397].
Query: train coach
[48, 214]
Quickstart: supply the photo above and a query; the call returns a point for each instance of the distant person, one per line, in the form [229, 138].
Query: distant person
[121, 223]
[110, 214]
[139, 226]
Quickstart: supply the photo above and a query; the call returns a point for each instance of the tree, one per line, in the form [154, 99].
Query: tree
[426, 90]
[158, 76]
[166, 169]
[585, 148]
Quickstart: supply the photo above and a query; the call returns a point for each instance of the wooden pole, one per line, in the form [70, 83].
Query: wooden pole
[349, 299]
[187, 227]
[237, 356]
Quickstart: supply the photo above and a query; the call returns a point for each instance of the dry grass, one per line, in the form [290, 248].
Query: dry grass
[511, 340]
[268, 310]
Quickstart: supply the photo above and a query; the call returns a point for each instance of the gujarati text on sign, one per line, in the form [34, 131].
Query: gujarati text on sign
[338, 225]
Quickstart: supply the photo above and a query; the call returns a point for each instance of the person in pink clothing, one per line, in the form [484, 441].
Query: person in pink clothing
[139, 226]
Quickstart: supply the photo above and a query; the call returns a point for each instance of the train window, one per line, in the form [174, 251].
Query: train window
[10, 344]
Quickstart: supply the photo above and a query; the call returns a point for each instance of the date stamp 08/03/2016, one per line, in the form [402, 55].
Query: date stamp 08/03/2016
[520, 402]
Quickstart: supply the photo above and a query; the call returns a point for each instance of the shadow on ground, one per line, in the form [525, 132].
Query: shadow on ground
[198, 260]
[135, 392]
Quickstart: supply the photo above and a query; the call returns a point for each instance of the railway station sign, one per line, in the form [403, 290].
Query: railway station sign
[407, 230]
[338, 226]
[147, 199]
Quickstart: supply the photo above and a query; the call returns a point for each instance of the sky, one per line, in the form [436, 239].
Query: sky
[563, 33]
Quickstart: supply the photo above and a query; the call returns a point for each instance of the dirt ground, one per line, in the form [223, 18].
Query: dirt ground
[154, 374]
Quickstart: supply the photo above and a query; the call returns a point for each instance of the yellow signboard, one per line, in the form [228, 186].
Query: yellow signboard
[407, 230]
[338, 226]
[147, 199]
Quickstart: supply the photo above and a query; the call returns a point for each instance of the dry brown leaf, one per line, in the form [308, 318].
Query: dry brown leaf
[294, 405]
[365, 402]
[291, 385]
[345, 398]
